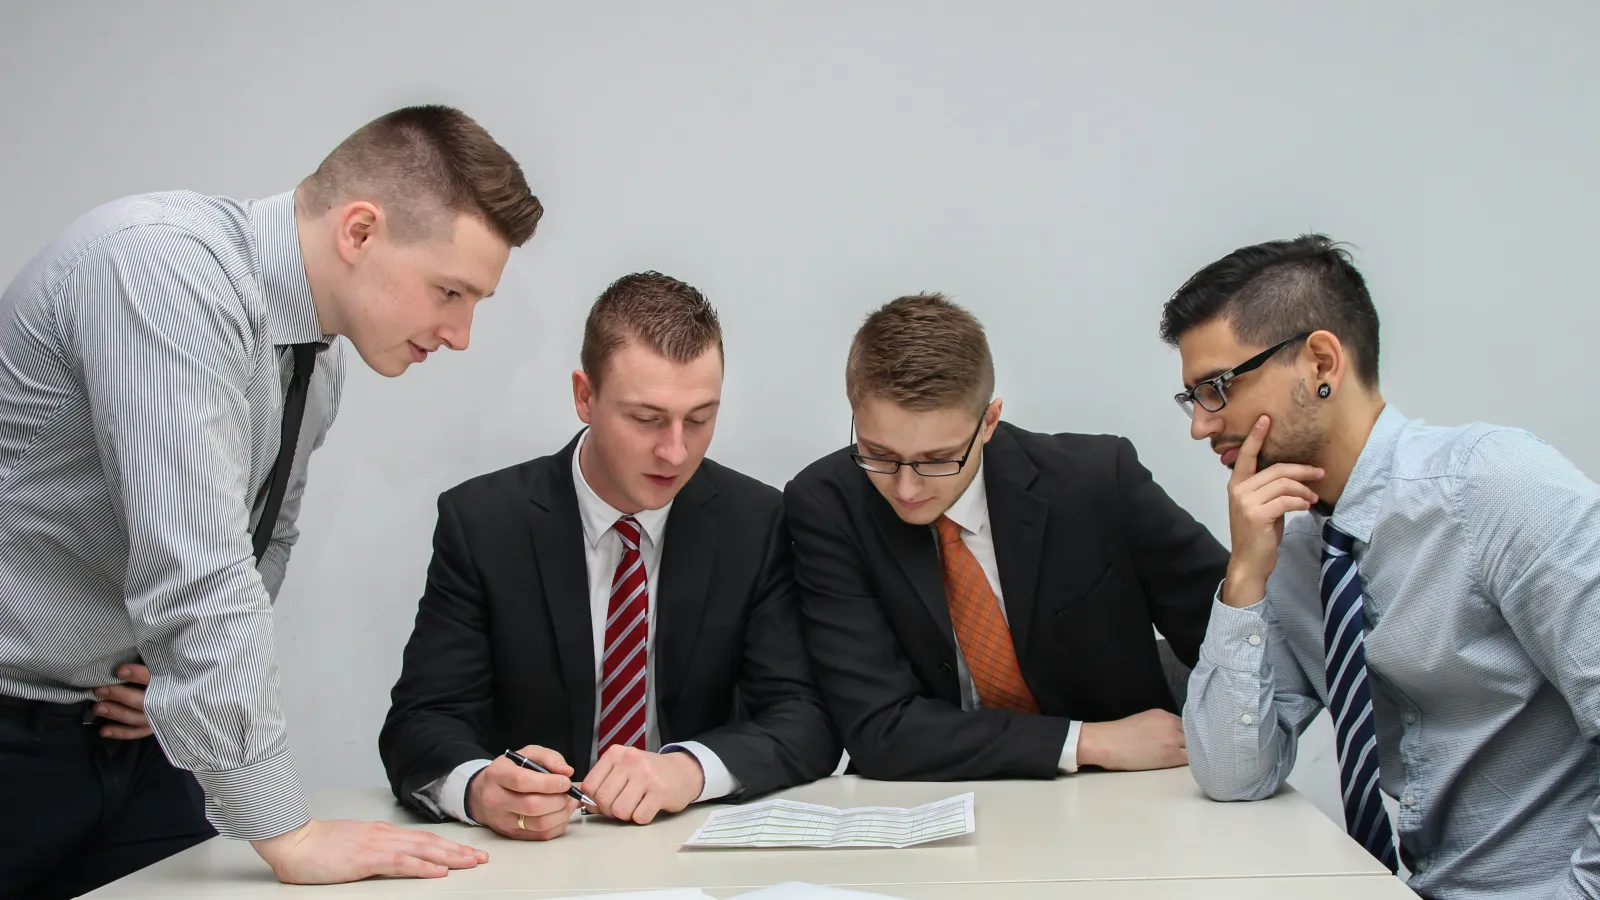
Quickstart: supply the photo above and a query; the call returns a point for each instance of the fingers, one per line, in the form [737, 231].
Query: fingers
[649, 806]
[1283, 487]
[530, 805]
[135, 673]
[432, 848]
[512, 777]
[610, 777]
[398, 863]
[1244, 465]
[602, 770]
[605, 793]
[542, 827]
[628, 801]
[131, 697]
[1273, 510]
[125, 732]
[116, 712]
[1281, 472]
[548, 758]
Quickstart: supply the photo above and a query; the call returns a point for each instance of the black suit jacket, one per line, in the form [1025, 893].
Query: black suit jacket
[502, 653]
[1091, 553]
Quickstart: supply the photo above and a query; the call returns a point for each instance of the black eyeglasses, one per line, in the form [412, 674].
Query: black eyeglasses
[929, 468]
[1212, 393]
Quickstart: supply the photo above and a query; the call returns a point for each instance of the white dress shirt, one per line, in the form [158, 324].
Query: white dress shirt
[602, 551]
[971, 512]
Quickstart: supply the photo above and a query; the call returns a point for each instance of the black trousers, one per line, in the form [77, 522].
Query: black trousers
[78, 811]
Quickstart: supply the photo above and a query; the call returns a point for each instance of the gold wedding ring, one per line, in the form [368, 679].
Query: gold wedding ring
[522, 823]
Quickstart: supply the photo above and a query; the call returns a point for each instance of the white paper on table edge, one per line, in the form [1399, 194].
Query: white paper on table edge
[970, 822]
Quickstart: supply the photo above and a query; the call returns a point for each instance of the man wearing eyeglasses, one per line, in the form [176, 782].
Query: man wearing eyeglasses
[1441, 600]
[980, 601]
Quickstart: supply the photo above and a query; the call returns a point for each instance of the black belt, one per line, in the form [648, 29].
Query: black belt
[83, 710]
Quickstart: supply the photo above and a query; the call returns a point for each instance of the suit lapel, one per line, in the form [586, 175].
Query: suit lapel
[1017, 518]
[557, 534]
[687, 553]
[913, 548]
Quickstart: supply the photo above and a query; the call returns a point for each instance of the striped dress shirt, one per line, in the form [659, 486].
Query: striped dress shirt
[143, 365]
[1478, 550]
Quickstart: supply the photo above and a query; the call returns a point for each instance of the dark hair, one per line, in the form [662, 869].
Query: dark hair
[420, 163]
[664, 314]
[921, 352]
[1273, 291]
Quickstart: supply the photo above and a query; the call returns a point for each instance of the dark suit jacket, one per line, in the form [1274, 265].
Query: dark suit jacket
[502, 654]
[1091, 552]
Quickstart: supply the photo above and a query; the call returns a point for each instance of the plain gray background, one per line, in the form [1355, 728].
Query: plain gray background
[1060, 168]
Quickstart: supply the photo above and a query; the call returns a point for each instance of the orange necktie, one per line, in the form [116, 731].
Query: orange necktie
[981, 630]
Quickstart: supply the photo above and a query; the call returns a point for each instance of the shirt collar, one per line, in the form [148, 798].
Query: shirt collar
[599, 516]
[286, 293]
[971, 509]
[1356, 513]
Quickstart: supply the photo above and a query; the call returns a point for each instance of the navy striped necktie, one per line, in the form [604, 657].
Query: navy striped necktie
[1350, 699]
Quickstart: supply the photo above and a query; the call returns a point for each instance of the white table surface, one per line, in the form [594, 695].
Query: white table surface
[1343, 887]
[1093, 826]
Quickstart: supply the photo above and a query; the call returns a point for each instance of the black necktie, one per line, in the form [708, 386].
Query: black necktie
[294, 408]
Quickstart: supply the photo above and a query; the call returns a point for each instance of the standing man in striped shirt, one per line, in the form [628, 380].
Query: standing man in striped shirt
[167, 366]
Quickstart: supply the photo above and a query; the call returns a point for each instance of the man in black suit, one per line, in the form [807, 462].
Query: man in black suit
[979, 599]
[559, 618]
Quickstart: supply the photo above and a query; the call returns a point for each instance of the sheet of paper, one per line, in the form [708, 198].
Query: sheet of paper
[785, 823]
[671, 894]
[799, 890]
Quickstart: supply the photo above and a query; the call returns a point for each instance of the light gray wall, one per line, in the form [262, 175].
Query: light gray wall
[1059, 167]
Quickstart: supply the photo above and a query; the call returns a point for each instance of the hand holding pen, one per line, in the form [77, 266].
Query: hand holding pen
[524, 795]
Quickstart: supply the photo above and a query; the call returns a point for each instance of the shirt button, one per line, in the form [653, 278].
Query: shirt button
[1409, 798]
[1411, 718]
[1255, 640]
[1247, 719]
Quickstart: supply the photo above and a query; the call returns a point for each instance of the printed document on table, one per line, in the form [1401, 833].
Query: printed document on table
[786, 823]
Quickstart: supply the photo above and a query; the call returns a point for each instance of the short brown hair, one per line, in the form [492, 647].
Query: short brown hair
[420, 163]
[921, 352]
[667, 316]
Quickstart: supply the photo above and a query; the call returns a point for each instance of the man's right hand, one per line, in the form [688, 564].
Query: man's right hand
[1152, 739]
[340, 851]
[505, 790]
[1257, 503]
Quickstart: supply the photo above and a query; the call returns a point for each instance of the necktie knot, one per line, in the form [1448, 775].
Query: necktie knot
[628, 529]
[949, 531]
[1336, 540]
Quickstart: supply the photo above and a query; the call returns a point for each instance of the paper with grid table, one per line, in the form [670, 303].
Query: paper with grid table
[786, 823]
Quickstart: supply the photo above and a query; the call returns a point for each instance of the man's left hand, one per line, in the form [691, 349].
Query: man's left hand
[123, 704]
[633, 785]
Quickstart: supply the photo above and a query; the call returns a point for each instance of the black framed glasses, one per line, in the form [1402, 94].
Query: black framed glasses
[1212, 394]
[928, 468]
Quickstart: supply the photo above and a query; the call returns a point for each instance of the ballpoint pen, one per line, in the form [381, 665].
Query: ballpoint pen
[572, 790]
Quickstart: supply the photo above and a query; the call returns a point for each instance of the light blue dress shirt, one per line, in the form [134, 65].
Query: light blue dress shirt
[1479, 554]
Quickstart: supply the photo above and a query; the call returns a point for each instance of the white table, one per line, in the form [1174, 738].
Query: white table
[1031, 835]
[1295, 887]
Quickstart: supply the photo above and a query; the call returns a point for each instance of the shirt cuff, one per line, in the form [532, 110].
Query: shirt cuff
[447, 796]
[1069, 749]
[1236, 638]
[719, 782]
[253, 803]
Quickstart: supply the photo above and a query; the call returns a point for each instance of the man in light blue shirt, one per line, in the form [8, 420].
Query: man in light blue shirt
[1441, 600]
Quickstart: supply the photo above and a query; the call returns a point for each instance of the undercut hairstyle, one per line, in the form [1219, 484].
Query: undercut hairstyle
[921, 352]
[424, 166]
[665, 315]
[1271, 292]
